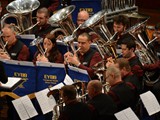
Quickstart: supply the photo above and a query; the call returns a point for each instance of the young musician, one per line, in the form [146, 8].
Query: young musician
[51, 52]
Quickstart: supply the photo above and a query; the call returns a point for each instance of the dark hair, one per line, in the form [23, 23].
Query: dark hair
[121, 19]
[129, 42]
[54, 52]
[69, 91]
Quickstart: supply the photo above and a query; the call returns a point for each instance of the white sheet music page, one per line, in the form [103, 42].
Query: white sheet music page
[126, 114]
[150, 102]
[68, 80]
[20, 109]
[46, 103]
[29, 106]
[11, 82]
[58, 86]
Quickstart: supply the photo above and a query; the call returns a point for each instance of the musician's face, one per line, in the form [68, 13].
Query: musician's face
[82, 17]
[8, 36]
[118, 27]
[42, 19]
[126, 53]
[84, 44]
[47, 44]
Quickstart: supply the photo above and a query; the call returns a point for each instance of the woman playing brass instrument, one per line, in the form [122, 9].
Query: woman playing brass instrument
[51, 52]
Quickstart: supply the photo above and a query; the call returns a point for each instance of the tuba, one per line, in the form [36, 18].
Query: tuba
[97, 24]
[21, 10]
[145, 50]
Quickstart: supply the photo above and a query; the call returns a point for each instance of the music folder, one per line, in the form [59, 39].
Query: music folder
[12, 84]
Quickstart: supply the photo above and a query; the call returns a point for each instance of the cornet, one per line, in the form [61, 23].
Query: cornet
[37, 41]
[3, 46]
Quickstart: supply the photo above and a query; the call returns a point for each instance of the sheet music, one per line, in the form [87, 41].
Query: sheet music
[24, 108]
[126, 114]
[29, 106]
[150, 102]
[46, 103]
[11, 82]
[68, 80]
[58, 86]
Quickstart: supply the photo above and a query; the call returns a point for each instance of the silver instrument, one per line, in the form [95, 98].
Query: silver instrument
[145, 50]
[63, 18]
[38, 41]
[97, 24]
[3, 46]
[21, 10]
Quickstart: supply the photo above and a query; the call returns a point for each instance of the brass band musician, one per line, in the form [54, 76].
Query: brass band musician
[86, 57]
[14, 48]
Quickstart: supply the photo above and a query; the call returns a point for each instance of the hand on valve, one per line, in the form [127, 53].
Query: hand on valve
[42, 58]
[71, 59]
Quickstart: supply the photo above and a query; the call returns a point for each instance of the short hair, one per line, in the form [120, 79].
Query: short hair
[44, 10]
[129, 42]
[69, 91]
[96, 85]
[114, 70]
[86, 35]
[123, 63]
[12, 27]
[121, 19]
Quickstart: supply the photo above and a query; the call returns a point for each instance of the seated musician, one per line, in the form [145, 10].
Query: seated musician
[14, 48]
[101, 104]
[123, 94]
[86, 57]
[81, 18]
[51, 52]
[120, 24]
[73, 109]
[43, 28]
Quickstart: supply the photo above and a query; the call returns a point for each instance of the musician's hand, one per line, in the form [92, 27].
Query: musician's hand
[4, 55]
[42, 58]
[110, 62]
[60, 37]
[71, 59]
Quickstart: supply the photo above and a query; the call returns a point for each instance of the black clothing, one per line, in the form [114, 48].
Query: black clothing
[76, 111]
[3, 76]
[136, 66]
[103, 107]
[124, 95]
[132, 78]
[42, 31]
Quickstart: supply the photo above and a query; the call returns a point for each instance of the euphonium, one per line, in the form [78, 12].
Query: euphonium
[97, 24]
[145, 50]
[63, 18]
[21, 10]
